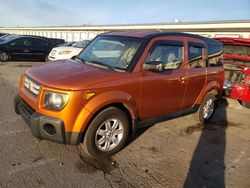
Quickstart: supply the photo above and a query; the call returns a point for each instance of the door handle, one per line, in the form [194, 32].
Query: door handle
[182, 79]
[25, 50]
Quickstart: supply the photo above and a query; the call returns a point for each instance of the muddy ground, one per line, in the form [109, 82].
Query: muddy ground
[173, 153]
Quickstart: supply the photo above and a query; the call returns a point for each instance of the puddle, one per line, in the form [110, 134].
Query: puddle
[151, 148]
[212, 126]
[89, 166]
[22, 65]
[192, 129]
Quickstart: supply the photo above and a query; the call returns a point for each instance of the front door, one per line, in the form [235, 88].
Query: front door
[21, 49]
[163, 92]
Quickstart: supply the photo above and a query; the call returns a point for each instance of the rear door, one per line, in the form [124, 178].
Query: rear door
[39, 49]
[196, 68]
[21, 48]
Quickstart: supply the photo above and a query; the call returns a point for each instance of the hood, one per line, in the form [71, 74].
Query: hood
[70, 75]
[67, 48]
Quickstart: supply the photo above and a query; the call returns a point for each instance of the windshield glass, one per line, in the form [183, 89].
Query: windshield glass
[236, 50]
[116, 52]
[7, 37]
[80, 44]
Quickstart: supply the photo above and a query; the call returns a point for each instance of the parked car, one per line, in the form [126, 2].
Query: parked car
[237, 69]
[67, 52]
[2, 34]
[56, 41]
[22, 47]
[120, 82]
[66, 44]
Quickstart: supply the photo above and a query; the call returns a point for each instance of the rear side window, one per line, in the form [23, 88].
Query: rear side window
[170, 55]
[195, 56]
[39, 42]
[214, 55]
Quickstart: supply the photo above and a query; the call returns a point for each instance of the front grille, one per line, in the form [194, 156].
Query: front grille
[32, 86]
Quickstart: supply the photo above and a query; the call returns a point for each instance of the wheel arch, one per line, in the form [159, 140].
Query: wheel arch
[212, 87]
[122, 106]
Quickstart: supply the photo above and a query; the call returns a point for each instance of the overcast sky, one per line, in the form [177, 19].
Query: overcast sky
[79, 12]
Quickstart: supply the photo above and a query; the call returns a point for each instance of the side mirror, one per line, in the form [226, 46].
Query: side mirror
[154, 66]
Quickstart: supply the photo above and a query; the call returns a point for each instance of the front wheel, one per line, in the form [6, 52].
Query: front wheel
[206, 109]
[3, 56]
[246, 104]
[107, 133]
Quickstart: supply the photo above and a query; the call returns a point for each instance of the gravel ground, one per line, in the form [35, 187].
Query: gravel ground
[174, 153]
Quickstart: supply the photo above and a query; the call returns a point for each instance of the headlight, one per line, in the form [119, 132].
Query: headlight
[55, 101]
[64, 52]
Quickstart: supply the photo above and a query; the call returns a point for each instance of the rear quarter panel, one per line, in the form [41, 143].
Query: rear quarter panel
[215, 81]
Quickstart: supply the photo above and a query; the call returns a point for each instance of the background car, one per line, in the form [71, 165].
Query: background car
[66, 44]
[2, 34]
[22, 47]
[67, 52]
[56, 41]
[236, 55]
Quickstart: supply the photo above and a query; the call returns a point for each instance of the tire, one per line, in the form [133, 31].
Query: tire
[46, 58]
[3, 56]
[246, 104]
[209, 104]
[109, 125]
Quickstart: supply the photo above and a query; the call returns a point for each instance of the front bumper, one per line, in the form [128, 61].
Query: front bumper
[45, 127]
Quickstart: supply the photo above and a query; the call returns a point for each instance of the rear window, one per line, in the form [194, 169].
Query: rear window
[39, 42]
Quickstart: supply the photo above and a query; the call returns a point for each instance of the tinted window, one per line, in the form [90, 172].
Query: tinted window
[170, 55]
[214, 55]
[21, 42]
[39, 42]
[195, 56]
[212, 49]
[81, 44]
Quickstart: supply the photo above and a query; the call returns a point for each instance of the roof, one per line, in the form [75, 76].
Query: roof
[152, 34]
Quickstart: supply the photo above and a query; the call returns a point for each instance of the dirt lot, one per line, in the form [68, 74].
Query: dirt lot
[174, 153]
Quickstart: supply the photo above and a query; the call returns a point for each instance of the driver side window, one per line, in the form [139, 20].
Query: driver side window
[21, 42]
[169, 55]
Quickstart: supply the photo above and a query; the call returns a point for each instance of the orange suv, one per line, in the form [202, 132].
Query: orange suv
[120, 82]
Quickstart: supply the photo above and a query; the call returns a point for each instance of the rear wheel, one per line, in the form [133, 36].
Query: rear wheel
[107, 133]
[246, 104]
[206, 109]
[3, 56]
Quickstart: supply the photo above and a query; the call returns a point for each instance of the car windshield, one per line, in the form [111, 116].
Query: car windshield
[7, 37]
[236, 50]
[115, 52]
[80, 44]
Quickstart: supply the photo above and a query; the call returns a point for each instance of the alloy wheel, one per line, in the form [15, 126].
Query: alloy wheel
[109, 134]
[208, 109]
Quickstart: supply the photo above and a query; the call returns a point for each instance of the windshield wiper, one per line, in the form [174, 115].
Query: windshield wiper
[103, 64]
[78, 58]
